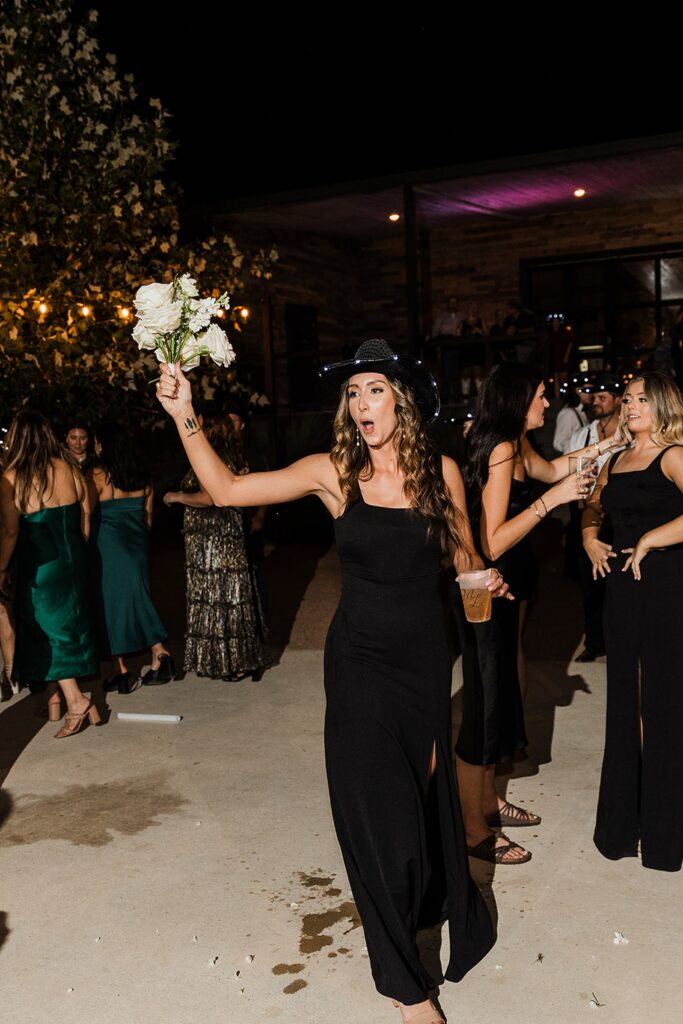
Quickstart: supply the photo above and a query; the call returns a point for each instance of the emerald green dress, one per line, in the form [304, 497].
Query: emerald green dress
[127, 619]
[55, 634]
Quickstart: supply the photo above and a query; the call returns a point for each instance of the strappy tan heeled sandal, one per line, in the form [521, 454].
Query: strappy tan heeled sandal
[74, 722]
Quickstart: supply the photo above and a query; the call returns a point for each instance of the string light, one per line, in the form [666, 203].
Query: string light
[220, 313]
[244, 312]
[394, 217]
[579, 193]
[124, 313]
[42, 307]
[85, 311]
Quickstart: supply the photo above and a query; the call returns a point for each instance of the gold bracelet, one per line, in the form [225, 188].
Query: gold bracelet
[535, 511]
[596, 445]
[544, 505]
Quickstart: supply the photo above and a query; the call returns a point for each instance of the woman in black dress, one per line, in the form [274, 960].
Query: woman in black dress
[387, 663]
[641, 490]
[500, 457]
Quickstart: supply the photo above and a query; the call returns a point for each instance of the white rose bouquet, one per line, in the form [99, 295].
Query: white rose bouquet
[174, 322]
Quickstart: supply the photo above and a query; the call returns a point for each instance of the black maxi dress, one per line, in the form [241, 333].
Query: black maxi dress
[492, 726]
[640, 793]
[388, 688]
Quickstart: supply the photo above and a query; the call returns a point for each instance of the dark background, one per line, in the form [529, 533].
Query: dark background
[267, 101]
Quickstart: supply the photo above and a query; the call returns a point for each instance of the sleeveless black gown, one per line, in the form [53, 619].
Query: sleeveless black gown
[388, 688]
[640, 794]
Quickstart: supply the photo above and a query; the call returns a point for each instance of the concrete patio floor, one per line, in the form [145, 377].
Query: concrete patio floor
[189, 874]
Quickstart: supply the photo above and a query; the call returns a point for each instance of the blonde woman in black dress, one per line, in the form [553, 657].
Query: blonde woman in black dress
[641, 490]
[387, 662]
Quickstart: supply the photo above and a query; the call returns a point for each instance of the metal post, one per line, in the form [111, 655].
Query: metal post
[412, 281]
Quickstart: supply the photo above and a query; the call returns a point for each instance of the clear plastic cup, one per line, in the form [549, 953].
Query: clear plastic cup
[476, 597]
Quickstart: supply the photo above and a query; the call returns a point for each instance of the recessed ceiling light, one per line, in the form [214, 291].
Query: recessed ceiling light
[579, 193]
[394, 216]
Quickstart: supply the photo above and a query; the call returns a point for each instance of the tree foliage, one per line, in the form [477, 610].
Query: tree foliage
[88, 213]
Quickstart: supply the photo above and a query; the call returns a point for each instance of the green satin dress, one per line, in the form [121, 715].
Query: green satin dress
[55, 634]
[127, 619]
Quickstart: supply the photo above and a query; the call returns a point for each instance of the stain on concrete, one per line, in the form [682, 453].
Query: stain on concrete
[288, 968]
[313, 881]
[314, 925]
[333, 892]
[91, 815]
[342, 949]
[295, 986]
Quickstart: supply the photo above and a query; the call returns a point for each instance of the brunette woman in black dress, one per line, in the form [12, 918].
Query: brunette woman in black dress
[500, 457]
[641, 490]
[387, 664]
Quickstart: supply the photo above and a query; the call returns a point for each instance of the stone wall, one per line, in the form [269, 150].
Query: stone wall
[358, 287]
[479, 259]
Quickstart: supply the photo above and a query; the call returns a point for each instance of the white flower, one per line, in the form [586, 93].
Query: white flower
[205, 309]
[156, 309]
[192, 352]
[215, 341]
[186, 285]
[143, 337]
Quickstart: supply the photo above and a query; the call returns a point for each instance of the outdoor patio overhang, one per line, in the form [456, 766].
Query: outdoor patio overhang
[643, 169]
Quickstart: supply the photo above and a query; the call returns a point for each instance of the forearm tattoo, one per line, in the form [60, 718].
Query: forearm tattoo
[191, 426]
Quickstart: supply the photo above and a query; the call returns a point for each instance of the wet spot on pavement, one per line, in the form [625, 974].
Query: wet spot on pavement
[288, 968]
[91, 815]
[295, 986]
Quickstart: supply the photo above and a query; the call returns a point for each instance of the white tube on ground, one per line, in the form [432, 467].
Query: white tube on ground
[134, 716]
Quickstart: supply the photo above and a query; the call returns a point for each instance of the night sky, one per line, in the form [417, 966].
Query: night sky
[265, 102]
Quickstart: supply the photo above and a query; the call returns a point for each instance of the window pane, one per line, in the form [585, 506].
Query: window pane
[547, 290]
[636, 330]
[671, 271]
[589, 284]
[635, 281]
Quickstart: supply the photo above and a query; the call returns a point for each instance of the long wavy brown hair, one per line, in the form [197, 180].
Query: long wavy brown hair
[423, 486]
[31, 446]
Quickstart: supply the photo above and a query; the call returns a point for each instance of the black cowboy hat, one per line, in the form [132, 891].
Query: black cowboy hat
[375, 356]
[603, 381]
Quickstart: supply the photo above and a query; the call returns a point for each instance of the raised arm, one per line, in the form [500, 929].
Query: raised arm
[499, 534]
[549, 471]
[312, 475]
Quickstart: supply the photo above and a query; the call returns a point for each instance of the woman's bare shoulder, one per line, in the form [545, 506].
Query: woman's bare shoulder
[502, 453]
[672, 461]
